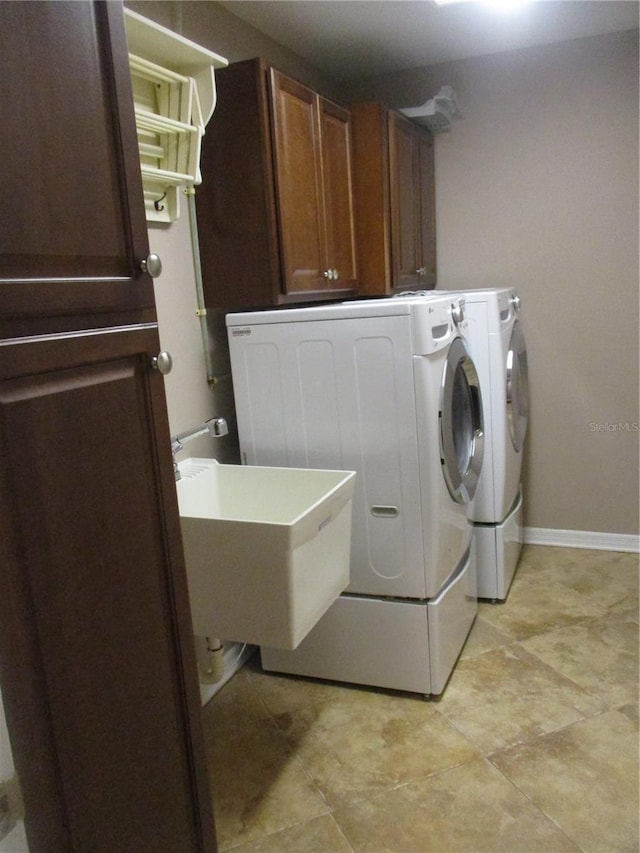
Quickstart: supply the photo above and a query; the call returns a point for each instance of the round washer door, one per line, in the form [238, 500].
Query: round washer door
[461, 423]
[517, 387]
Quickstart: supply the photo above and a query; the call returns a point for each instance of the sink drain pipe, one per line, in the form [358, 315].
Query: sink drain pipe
[212, 667]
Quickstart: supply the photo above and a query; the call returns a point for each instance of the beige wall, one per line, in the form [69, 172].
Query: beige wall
[209, 24]
[537, 187]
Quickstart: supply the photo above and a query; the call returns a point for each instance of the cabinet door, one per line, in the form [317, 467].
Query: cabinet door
[405, 203]
[98, 676]
[427, 220]
[298, 155]
[338, 195]
[70, 241]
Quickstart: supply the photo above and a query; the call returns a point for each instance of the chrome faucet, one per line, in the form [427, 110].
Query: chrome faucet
[215, 427]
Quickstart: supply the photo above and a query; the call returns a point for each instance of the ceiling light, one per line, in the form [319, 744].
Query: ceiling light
[498, 5]
[505, 5]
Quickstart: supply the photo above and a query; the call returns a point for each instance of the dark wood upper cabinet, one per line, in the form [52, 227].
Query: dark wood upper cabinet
[394, 201]
[69, 170]
[97, 665]
[275, 211]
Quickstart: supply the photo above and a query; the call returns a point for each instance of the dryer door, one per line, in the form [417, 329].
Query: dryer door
[461, 423]
[517, 387]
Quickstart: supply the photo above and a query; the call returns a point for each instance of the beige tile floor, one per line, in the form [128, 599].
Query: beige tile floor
[532, 747]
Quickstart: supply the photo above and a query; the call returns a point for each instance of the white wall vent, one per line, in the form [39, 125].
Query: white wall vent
[436, 113]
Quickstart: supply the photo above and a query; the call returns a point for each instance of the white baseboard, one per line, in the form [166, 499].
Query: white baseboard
[582, 539]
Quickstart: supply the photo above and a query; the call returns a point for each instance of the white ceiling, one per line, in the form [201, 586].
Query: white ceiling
[348, 39]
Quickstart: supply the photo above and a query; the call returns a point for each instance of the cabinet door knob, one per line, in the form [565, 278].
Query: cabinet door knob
[152, 265]
[422, 271]
[162, 363]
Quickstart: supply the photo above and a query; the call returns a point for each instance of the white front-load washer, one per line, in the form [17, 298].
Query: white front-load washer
[387, 388]
[497, 344]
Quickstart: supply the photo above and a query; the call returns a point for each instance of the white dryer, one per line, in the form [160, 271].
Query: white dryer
[497, 345]
[386, 388]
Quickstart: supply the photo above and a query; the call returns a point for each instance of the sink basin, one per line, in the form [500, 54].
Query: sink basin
[266, 549]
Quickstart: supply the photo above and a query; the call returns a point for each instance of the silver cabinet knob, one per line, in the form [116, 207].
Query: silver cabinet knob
[421, 271]
[152, 265]
[162, 363]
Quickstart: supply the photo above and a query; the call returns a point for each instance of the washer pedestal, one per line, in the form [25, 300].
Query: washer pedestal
[396, 644]
[498, 548]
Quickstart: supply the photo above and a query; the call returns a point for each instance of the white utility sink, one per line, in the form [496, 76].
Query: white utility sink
[267, 549]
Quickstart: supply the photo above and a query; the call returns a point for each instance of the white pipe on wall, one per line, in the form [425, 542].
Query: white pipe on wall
[190, 192]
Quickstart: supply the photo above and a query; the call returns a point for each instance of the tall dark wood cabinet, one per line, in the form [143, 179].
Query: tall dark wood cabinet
[394, 191]
[275, 219]
[97, 665]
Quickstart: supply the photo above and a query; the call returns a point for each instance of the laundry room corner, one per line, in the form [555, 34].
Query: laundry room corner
[536, 188]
